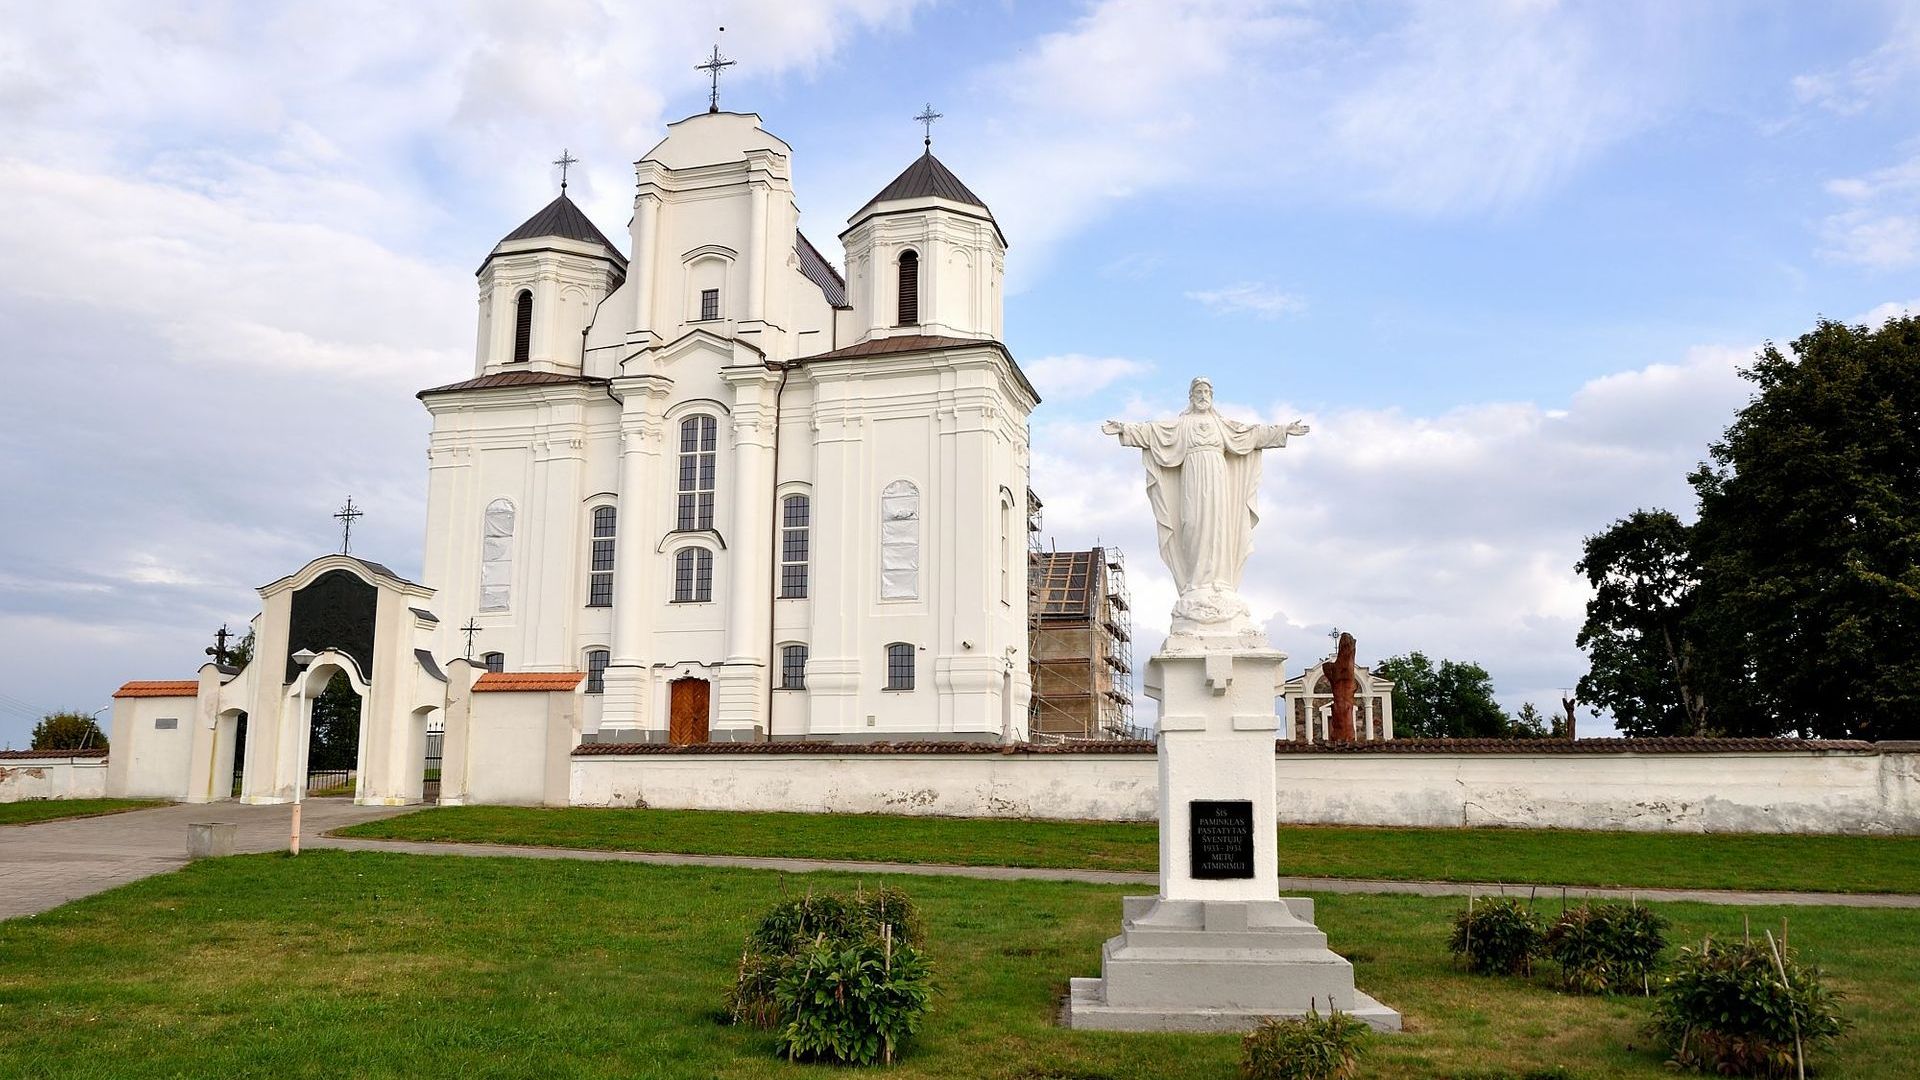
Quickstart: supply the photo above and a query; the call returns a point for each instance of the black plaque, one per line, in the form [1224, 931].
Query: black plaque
[334, 611]
[1220, 835]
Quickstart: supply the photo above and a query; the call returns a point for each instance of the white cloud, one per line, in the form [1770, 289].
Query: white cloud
[1250, 298]
[1860, 83]
[1074, 375]
[1881, 226]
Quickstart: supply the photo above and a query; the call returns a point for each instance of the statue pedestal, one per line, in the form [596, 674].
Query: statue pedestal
[1219, 948]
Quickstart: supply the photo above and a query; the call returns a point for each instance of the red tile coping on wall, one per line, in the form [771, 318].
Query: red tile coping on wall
[1393, 746]
[42, 755]
[169, 688]
[502, 681]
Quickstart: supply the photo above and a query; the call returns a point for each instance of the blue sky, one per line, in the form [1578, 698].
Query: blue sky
[1504, 256]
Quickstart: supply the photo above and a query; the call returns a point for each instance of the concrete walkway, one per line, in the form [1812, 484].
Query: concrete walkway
[45, 865]
[49, 863]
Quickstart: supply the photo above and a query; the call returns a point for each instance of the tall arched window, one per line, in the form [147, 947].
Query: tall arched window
[909, 288]
[796, 517]
[793, 667]
[1006, 548]
[692, 575]
[496, 557]
[699, 452]
[597, 660]
[600, 565]
[900, 666]
[523, 326]
[900, 541]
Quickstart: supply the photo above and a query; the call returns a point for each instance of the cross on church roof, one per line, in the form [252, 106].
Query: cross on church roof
[564, 160]
[347, 514]
[927, 117]
[712, 67]
[219, 651]
[472, 628]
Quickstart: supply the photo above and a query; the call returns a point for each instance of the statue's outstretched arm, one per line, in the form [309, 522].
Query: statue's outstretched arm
[1128, 436]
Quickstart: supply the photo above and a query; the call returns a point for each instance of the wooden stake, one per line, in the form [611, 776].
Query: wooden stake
[1799, 1052]
[293, 841]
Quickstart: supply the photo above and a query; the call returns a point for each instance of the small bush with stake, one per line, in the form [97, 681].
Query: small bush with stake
[1496, 936]
[852, 1002]
[1310, 1047]
[1745, 1009]
[1606, 948]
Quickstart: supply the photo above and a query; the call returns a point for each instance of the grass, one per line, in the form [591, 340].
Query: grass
[30, 811]
[381, 965]
[1548, 857]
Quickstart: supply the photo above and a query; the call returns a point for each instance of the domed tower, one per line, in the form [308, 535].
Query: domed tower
[925, 257]
[538, 290]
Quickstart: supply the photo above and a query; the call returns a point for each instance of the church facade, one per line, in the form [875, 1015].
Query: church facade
[749, 498]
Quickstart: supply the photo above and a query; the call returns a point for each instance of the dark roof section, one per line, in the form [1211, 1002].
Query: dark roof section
[427, 664]
[43, 755]
[561, 218]
[501, 379]
[927, 178]
[1126, 746]
[424, 615]
[818, 270]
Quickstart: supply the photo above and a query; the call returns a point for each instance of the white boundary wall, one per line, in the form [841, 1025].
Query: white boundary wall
[52, 777]
[1774, 791]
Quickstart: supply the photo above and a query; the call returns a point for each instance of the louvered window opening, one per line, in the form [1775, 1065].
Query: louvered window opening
[699, 448]
[795, 524]
[692, 576]
[709, 304]
[793, 667]
[597, 660]
[523, 327]
[600, 570]
[909, 288]
[900, 666]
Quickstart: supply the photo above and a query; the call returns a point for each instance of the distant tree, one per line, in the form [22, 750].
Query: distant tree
[1808, 542]
[68, 731]
[336, 726]
[1453, 700]
[240, 653]
[1530, 723]
[1642, 667]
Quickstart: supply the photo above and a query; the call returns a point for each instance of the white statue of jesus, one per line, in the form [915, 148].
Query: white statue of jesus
[1203, 478]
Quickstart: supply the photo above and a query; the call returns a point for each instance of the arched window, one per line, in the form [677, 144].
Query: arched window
[796, 517]
[496, 557]
[699, 452]
[793, 667]
[600, 565]
[899, 666]
[692, 575]
[597, 660]
[900, 541]
[523, 326]
[909, 288]
[1006, 548]
[494, 661]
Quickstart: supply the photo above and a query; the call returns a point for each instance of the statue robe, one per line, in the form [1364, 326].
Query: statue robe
[1203, 474]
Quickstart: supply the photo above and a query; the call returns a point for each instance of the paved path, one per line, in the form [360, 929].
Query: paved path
[1115, 877]
[47, 864]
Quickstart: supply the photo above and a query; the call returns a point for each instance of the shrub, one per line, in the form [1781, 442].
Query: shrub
[1497, 936]
[1310, 1047]
[852, 1001]
[1744, 1009]
[1606, 948]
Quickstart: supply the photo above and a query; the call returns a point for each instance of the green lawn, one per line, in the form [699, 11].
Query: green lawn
[378, 965]
[26, 813]
[1547, 857]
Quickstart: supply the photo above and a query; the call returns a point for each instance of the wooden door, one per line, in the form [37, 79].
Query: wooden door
[687, 711]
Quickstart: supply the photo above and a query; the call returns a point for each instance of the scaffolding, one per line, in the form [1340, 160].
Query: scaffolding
[1080, 646]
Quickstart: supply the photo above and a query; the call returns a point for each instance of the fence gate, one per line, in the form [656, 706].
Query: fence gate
[430, 786]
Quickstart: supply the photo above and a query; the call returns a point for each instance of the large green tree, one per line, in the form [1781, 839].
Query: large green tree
[1808, 542]
[336, 726]
[1643, 669]
[1451, 700]
[68, 731]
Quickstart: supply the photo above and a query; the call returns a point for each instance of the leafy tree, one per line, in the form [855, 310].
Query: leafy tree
[68, 731]
[336, 726]
[1531, 723]
[1453, 700]
[1808, 543]
[1642, 666]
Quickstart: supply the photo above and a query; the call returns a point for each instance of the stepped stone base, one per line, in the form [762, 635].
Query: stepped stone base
[1192, 965]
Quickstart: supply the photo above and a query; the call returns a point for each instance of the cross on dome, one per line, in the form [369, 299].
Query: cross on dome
[564, 161]
[927, 117]
[347, 514]
[712, 67]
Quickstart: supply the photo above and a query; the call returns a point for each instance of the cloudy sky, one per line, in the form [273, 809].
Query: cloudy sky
[1504, 256]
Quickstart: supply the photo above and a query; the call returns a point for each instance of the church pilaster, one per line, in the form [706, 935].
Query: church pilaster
[635, 589]
[741, 702]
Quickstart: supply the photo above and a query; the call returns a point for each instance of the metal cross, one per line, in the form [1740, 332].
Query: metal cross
[219, 650]
[472, 628]
[927, 117]
[712, 68]
[347, 515]
[565, 159]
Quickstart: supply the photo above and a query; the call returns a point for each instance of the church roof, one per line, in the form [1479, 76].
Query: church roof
[511, 378]
[927, 178]
[561, 218]
[815, 267]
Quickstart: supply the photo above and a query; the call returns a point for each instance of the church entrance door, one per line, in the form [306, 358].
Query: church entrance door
[687, 711]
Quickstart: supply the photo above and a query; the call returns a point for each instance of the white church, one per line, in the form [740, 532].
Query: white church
[702, 490]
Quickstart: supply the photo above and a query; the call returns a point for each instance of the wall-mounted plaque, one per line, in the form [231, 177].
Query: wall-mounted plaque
[1221, 839]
